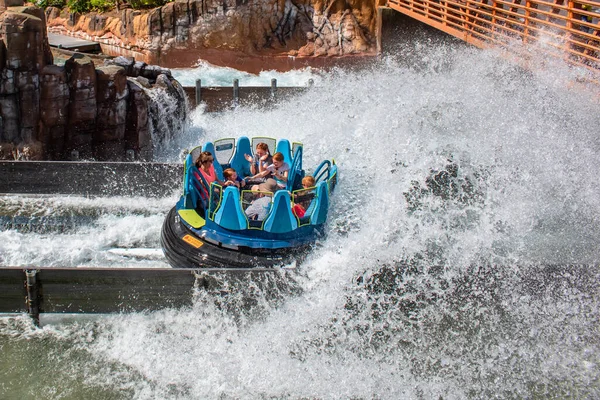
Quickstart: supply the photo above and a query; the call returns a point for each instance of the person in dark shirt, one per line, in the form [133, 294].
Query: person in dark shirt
[232, 178]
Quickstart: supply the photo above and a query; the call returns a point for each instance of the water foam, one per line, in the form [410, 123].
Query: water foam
[466, 187]
[224, 76]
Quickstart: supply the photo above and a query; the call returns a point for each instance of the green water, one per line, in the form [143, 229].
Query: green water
[41, 366]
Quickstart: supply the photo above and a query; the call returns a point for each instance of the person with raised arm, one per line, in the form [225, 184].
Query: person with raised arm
[261, 160]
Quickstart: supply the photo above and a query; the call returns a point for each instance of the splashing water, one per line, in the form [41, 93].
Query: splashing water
[224, 76]
[460, 261]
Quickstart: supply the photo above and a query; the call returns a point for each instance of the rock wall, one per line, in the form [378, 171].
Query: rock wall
[181, 32]
[47, 111]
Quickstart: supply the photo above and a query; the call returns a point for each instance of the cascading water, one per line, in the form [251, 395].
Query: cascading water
[168, 110]
[460, 259]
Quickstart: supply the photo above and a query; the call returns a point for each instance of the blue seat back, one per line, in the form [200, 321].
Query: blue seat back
[209, 146]
[230, 214]
[238, 161]
[321, 204]
[284, 147]
[224, 150]
[280, 219]
[189, 192]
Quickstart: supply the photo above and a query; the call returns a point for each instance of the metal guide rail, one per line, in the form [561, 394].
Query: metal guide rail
[89, 178]
[108, 290]
[568, 29]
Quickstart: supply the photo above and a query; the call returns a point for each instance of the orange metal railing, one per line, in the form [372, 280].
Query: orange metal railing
[569, 29]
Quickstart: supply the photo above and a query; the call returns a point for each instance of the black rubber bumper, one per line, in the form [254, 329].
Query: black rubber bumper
[181, 254]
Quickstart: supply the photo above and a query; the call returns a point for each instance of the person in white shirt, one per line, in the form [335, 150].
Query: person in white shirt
[259, 208]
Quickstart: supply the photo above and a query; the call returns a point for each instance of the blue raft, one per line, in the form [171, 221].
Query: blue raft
[209, 226]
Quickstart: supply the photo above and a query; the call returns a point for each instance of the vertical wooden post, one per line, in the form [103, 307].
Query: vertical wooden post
[198, 91]
[445, 12]
[467, 20]
[74, 155]
[378, 28]
[527, 20]
[273, 88]
[33, 295]
[570, 15]
[311, 82]
[236, 92]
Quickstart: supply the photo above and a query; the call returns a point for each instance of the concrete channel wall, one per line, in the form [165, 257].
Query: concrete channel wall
[90, 178]
[40, 290]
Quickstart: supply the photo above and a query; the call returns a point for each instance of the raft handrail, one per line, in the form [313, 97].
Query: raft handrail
[262, 223]
[318, 174]
[191, 179]
[306, 219]
[211, 211]
[332, 181]
[295, 169]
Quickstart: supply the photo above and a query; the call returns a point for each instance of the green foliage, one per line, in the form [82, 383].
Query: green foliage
[50, 3]
[79, 6]
[102, 5]
[144, 4]
[84, 6]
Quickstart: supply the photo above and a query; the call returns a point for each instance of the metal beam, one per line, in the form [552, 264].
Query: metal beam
[90, 178]
[110, 290]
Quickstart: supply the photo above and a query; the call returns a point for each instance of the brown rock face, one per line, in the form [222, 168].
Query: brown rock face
[182, 32]
[4, 4]
[24, 52]
[47, 111]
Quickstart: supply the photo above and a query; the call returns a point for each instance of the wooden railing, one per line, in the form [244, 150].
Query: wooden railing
[569, 29]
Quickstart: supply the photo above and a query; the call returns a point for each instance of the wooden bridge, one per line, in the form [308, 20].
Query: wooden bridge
[568, 29]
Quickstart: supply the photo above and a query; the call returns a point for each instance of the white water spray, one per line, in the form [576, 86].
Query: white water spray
[467, 187]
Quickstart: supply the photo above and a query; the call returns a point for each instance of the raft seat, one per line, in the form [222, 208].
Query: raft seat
[281, 219]
[318, 215]
[230, 214]
[209, 146]
[311, 207]
[238, 161]
[193, 187]
[283, 146]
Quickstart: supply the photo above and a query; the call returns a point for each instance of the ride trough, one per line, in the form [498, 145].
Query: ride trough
[209, 227]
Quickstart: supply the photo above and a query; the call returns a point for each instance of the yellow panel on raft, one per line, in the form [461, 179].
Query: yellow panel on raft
[192, 218]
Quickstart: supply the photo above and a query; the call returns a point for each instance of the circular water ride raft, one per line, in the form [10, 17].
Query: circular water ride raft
[218, 226]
